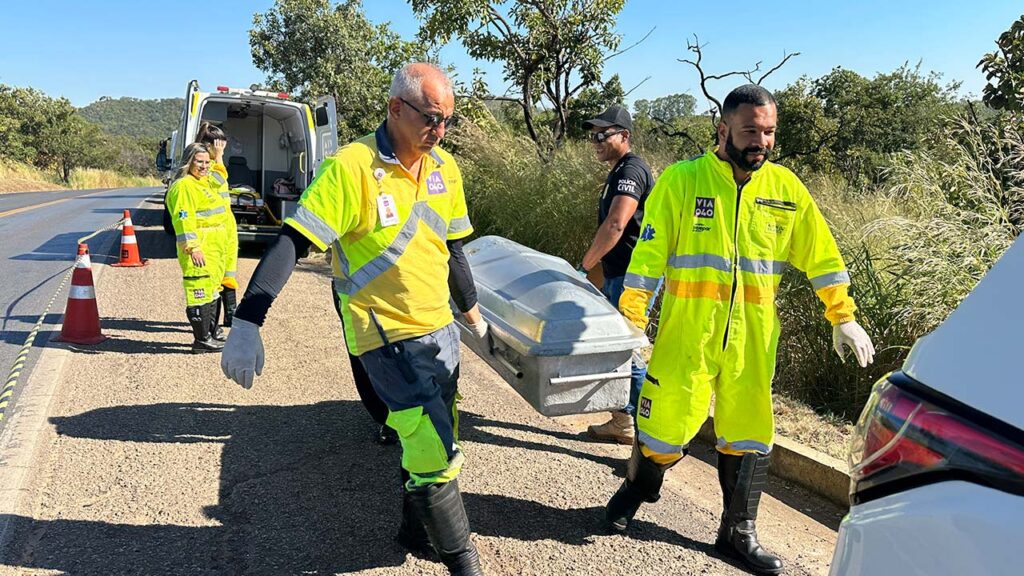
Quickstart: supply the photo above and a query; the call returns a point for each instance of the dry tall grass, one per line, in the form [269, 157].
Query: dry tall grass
[17, 177]
[914, 248]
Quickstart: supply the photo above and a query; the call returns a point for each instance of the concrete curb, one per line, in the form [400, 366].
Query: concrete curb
[815, 471]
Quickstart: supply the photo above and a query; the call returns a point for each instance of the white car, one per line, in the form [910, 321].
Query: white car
[937, 458]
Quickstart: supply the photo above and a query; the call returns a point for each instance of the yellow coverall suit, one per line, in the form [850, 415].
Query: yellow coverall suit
[219, 178]
[197, 212]
[722, 248]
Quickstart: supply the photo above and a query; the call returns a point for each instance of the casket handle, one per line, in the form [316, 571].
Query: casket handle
[500, 357]
[587, 378]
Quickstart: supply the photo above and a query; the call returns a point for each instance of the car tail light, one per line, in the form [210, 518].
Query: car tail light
[903, 440]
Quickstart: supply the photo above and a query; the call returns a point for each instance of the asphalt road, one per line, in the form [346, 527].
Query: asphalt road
[149, 461]
[39, 232]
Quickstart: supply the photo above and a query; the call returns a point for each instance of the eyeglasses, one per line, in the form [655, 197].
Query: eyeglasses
[433, 120]
[602, 136]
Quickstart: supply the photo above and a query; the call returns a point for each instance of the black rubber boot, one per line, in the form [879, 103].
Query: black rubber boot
[439, 506]
[230, 303]
[387, 436]
[199, 318]
[743, 478]
[411, 533]
[643, 484]
[215, 332]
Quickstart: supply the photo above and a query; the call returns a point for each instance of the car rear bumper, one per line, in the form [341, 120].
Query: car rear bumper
[948, 528]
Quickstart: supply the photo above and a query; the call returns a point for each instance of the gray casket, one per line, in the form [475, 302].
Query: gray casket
[554, 337]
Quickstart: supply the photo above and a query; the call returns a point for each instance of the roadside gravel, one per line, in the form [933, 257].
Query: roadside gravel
[155, 464]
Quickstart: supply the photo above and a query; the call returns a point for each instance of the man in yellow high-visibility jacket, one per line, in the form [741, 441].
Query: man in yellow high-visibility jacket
[721, 229]
[392, 207]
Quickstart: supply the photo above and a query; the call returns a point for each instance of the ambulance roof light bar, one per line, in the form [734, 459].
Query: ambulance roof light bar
[253, 92]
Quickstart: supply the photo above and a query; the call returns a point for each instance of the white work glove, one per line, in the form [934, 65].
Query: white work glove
[242, 357]
[850, 334]
[479, 329]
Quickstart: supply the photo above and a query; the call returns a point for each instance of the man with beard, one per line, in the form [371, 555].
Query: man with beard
[722, 228]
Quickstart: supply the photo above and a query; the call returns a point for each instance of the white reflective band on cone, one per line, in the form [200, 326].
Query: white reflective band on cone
[83, 262]
[128, 239]
[82, 293]
[127, 222]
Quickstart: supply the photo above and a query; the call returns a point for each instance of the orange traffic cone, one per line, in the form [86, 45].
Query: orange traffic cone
[129, 246]
[81, 316]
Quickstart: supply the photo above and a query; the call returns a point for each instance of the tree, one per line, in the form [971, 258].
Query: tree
[315, 48]
[1004, 70]
[592, 101]
[847, 124]
[667, 108]
[67, 141]
[551, 49]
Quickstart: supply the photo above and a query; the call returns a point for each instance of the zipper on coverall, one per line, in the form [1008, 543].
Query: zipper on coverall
[735, 263]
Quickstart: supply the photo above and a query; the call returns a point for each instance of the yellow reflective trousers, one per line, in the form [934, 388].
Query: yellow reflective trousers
[722, 249]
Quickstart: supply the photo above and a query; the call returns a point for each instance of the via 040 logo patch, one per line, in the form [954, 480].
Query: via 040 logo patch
[705, 208]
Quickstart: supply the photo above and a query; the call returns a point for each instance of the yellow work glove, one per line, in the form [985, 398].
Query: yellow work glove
[633, 304]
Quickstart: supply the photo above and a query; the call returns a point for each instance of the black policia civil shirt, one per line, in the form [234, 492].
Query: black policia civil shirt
[631, 177]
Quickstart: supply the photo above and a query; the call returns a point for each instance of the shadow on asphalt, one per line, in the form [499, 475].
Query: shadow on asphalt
[113, 343]
[64, 247]
[303, 489]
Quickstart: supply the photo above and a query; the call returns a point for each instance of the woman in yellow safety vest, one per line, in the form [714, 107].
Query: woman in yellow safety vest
[216, 140]
[197, 215]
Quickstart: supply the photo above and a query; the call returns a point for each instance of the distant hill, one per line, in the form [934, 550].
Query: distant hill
[150, 119]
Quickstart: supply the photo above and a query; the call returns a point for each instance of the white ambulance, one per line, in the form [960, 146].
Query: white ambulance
[275, 146]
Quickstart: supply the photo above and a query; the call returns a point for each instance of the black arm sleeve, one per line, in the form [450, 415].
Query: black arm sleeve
[271, 275]
[460, 278]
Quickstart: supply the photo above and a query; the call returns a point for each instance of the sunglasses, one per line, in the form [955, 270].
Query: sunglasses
[433, 120]
[602, 136]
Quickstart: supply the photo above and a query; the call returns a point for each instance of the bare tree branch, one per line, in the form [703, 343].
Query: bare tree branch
[631, 46]
[785, 58]
[667, 129]
[630, 91]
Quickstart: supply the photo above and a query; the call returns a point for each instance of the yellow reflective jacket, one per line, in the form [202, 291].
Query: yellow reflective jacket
[723, 247]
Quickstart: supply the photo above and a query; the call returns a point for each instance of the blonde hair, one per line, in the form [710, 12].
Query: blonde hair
[187, 157]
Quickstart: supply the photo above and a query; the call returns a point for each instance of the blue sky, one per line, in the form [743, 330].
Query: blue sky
[84, 50]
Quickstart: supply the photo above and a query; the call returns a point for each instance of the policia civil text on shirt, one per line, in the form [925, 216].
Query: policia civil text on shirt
[391, 206]
[721, 229]
[197, 214]
[620, 211]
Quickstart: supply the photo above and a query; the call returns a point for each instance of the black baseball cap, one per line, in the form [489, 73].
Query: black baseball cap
[613, 116]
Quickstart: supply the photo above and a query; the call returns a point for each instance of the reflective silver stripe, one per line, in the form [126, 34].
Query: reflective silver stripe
[642, 282]
[831, 279]
[762, 266]
[744, 446]
[220, 179]
[657, 445]
[338, 255]
[225, 194]
[211, 212]
[229, 274]
[82, 293]
[187, 236]
[460, 224]
[700, 261]
[315, 225]
[386, 259]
